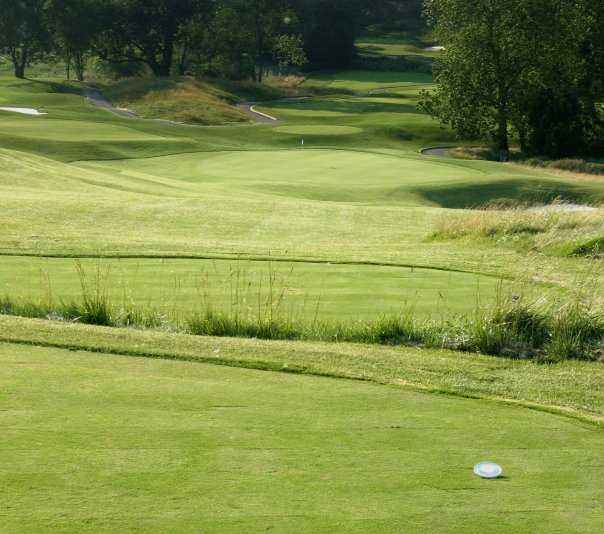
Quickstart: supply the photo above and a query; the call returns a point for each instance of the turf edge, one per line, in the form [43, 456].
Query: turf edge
[65, 341]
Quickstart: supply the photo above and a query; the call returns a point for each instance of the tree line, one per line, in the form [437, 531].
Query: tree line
[232, 38]
[528, 69]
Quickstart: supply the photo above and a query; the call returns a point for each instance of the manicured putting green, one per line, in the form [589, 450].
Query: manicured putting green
[318, 130]
[102, 443]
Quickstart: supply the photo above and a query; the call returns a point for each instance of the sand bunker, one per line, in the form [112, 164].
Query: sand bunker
[563, 206]
[434, 49]
[23, 111]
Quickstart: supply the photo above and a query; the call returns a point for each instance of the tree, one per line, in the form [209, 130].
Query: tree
[74, 25]
[530, 67]
[394, 15]
[249, 37]
[488, 52]
[268, 33]
[330, 29]
[145, 31]
[23, 34]
[559, 101]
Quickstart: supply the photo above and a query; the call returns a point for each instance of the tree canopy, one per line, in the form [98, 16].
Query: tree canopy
[525, 71]
[520, 67]
[23, 32]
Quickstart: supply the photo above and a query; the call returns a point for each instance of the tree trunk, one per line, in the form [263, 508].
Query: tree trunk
[158, 69]
[522, 138]
[167, 56]
[503, 144]
[20, 71]
[79, 65]
[161, 70]
[19, 62]
[183, 62]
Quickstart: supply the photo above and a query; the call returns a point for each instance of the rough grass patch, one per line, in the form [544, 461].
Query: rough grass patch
[556, 228]
[510, 328]
[184, 100]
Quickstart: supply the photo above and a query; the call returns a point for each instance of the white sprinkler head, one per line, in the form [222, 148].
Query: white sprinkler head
[488, 470]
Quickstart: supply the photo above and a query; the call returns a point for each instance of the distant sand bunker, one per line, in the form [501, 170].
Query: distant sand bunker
[434, 49]
[23, 111]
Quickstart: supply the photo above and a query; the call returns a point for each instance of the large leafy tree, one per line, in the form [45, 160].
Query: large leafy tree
[23, 32]
[330, 29]
[74, 25]
[527, 67]
[553, 105]
[266, 33]
[146, 31]
[394, 15]
[488, 52]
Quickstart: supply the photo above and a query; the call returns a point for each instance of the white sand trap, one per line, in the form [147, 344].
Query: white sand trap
[434, 49]
[563, 206]
[23, 111]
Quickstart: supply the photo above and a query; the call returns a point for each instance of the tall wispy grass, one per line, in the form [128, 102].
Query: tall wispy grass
[593, 166]
[512, 326]
[559, 228]
[94, 307]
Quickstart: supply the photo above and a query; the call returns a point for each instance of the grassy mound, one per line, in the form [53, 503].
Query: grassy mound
[559, 229]
[185, 100]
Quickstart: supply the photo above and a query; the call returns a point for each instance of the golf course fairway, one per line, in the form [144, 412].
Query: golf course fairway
[268, 327]
[92, 441]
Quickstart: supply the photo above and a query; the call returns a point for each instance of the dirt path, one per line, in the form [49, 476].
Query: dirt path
[97, 99]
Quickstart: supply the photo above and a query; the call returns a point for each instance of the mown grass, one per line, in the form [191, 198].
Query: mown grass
[364, 198]
[99, 442]
[393, 44]
[572, 385]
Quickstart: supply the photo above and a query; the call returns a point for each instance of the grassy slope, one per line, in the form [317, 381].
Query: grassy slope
[180, 286]
[571, 387]
[250, 191]
[105, 435]
[396, 44]
[184, 100]
[102, 443]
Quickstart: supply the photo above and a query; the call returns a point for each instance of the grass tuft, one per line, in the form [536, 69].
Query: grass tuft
[510, 328]
[559, 229]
